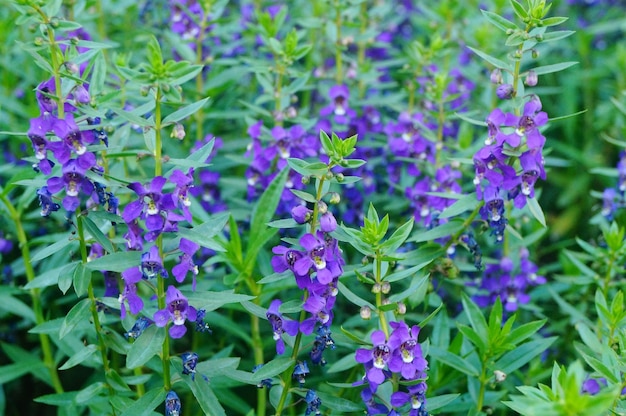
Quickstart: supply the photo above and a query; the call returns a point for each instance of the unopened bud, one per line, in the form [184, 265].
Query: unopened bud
[305, 180]
[376, 288]
[534, 53]
[385, 288]
[54, 22]
[144, 91]
[335, 198]
[339, 177]
[365, 312]
[291, 112]
[365, 260]
[71, 67]
[496, 76]
[532, 78]
[504, 91]
[401, 308]
[165, 87]
[499, 376]
[329, 175]
[178, 131]
[38, 41]
[385, 302]
[322, 207]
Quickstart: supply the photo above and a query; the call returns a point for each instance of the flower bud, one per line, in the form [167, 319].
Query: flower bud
[178, 131]
[401, 309]
[499, 376]
[531, 78]
[385, 288]
[322, 207]
[71, 67]
[376, 288]
[38, 41]
[496, 76]
[339, 177]
[305, 180]
[365, 312]
[54, 22]
[81, 94]
[335, 198]
[301, 214]
[505, 91]
[534, 53]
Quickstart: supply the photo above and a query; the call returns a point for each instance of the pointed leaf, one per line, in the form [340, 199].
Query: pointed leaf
[184, 112]
[146, 346]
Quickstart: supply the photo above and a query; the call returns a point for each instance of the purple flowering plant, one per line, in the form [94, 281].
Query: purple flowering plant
[320, 207]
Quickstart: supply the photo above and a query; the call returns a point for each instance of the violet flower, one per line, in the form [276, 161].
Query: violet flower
[45, 201]
[74, 180]
[180, 195]
[139, 326]
[280, 325]
[172, 404]
[407, 358]
[190, 360]
[375, 359]
[151, 204]
[186, 264]
[416, 397]
[177, 310]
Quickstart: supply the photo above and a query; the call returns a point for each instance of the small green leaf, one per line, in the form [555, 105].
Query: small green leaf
[499, 21]
[339, 405]
[454, 361]
[51, 249]
[146, 346]
[184, 112]
[272, 368]
[116, 262]
[79, 313]
[147, 403]
[306, 168]
[203, 393]
[443, 230]
[519, 10]
[81, 279]
[82, 355]
[475, 317]
[493, 61]
[548, 69]
[536, 210]
[97, 234]
[473, 337]
[305, 196]
[524, 331]
[556, 35]
[522, 354]
[466, 203]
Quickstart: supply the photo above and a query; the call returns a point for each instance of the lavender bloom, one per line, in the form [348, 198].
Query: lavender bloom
[151, 205]
[407, 358]
[172, 404]
[373, 408]
[301, 214]
[45, 201]
[44, 93]
[375, 359]
[140, 325]
[416, 397]
[151, 266]
[72, 140]
[180, 195]
[74, 181]
[186, 264]
[339, 95]
[111, 288]
[529, 123]
[280, 325]
[285, 259]
[504, 91]
[37, 134]
[131, 277]
[592, 386]
[177, 310]
[322, 341]
[315, 257]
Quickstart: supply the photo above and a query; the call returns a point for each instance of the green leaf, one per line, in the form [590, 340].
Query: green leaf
[89, 392]
[352, 297]
[51, 249]
[201, 238]
[522, 354]
[466, 203]
[82, 355]
[397, 238]
[146, 346]
[116, 262]
[214, 300]
[133, 117]
[556, 35]
[443, 230]
[16, 370]
[473, 337]
[265, 208]
[493, 61]
[536, 210]
[306, 168]
[548, 69]
[454, 361]
[327, 144]
[60, 399]
[524, 331]
[305, 196]
[438, 402]
[339, 405]
[203, 393]
[273, 368]
[553, 21]
[475, 317]
[97, 234]
[147, 403]
[81, 279]
[79, 313]
[519, 10]
[184, 112]
[499, 22]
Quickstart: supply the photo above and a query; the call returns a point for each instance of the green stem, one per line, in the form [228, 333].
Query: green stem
[199, 115]
[361, 46]
[338, 47]
[257, 348]
[483, 385]
[468, 221]
[44, 341]
[379, 296]
[158, 159]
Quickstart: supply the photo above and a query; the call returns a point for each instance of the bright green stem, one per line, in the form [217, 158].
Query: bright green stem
[466, 223]
[278, 92]
[44, 341]
[158, 171]
[199, 115]
[379, 296]
[257, 348]
[483, 385]
[56, 65]
[338, 58]
[298, 340]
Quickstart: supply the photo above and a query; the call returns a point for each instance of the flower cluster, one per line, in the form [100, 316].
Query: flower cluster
[401, 354]
[500, 176]
[510, 285]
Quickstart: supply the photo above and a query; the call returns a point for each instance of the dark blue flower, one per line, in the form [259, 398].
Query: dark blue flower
[190, 360]
[45, 201]
[140, 325]
[300, 372]
[172, 404]
[280, 325]
[313, 402]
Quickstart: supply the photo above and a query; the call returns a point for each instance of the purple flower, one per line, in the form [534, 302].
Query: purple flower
[151, 205]
[135, 303]
[376, 359]
[416, 397]
[529, 123]
[186, 263]
[301, 214]
[45, 91]
[285, 259]
[313, 402]
[322, 341]
[180, 195]
[592, 386]
[300, 372]
[172, 404]
[74, 180]
[177, 310]
[504, 91]
[202, 326]
[315, 257]
[72, 140]
[37, 134]
[407, 358]
[45, 201]
[280, 325]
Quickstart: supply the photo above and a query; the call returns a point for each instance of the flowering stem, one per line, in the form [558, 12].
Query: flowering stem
[46, 348]
[278, 88]
[379, 297]
[158, 141]
[257, 348]
[483, 384]
[466, 224]
[56, 65]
